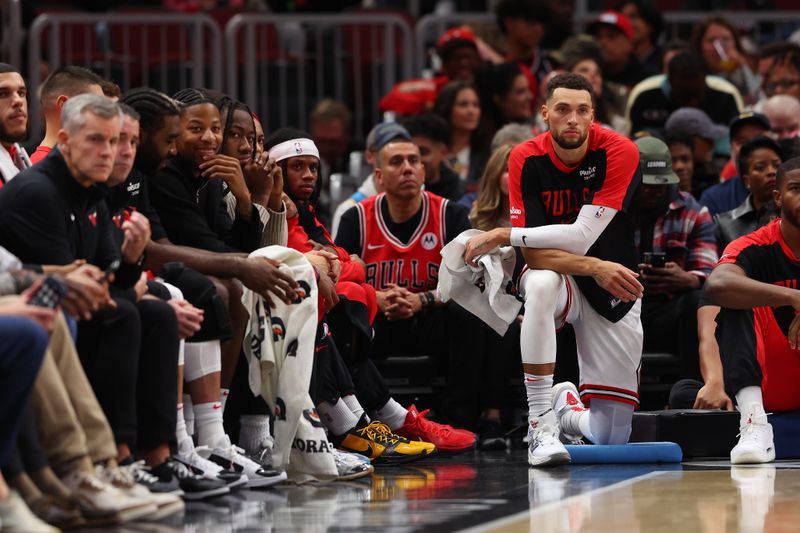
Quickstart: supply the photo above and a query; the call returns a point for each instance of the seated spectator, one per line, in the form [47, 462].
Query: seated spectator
[510, 97]
[646, 25]
[458, 51]
[614, 36]
[524, 24]
[783, 113]
[694, 124]
[13, 122]
[718, 41]
[459, 105]
[431, 134]
[781, 72]
[732, 192]
[680, 149]
[490, 209]
[673, 224]
[60, 86]
[376, 139]
[686, 85]
[754, 286]
[406, 228]
[759, 160]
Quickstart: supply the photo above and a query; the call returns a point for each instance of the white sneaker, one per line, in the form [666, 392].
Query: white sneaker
[16, 517]
[756, 485]
[101, 503]
[755, 438]
[232, 457]
[189, 455]
[351, 465]
[122, 479]
[566, 401]
[544, 448]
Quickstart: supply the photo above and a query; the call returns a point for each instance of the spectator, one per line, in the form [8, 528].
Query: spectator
[671, 223]
[732, 192]
[783, 112]
[685, 85]
[408, 226]
[431, 134]
[783, 74]
[693, 123]
[646, 25]
[759, 160]
[671, 49]
[490, 209]
[754, 286]
[680, 150]
[459, 105]
[510, 96]
[614, 36]
[13, 122]
[524, 24]
[379, 136]
[720, 45]
[60, 86]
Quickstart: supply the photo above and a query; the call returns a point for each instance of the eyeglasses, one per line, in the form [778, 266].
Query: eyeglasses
[780, 84]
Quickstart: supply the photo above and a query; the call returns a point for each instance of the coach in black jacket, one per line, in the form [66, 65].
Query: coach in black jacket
[53, 214]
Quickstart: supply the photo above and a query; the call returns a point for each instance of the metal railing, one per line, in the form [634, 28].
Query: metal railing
[280, 65]
[164, 51]
[11, 32]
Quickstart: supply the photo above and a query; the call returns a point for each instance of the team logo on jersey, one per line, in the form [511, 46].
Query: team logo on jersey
[600, 212]
[429, 241]
[93, 218]
[133, 188]
[588, 173]
[278, 329]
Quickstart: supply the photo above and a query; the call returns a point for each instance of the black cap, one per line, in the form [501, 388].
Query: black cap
[749, 117]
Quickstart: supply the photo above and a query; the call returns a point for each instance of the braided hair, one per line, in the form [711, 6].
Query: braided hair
[152, 107]
[227, 107]
[191, 97]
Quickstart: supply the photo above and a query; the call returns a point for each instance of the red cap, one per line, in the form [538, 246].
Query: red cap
[454, 35]
[613, 18]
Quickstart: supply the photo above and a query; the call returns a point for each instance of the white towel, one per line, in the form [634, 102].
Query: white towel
[8, 166]
[279, 346]
[481, 290]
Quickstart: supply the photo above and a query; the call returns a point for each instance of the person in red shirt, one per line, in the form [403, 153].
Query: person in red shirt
[13, 122]
[572, 196]
[61, 85]
[758, 329]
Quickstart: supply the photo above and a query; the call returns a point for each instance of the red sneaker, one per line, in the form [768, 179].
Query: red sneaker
[446, 438]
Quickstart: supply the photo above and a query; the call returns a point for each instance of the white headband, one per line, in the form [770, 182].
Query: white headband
[293, 148]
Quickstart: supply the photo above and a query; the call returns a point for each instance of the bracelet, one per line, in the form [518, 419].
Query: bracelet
[422, 299]
[429, 298]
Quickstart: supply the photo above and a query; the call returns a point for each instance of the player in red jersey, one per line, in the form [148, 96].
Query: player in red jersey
[758, 328]
[572, 192]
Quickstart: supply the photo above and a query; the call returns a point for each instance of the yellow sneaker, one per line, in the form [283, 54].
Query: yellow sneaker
[376, 441]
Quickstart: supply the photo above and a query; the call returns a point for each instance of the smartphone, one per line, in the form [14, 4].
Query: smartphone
[654, 259]
[49, 294]
[110, 269]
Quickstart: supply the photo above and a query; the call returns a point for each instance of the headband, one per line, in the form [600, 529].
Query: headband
[293, 148]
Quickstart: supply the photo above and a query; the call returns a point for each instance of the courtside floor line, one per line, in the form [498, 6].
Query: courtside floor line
[499, 524]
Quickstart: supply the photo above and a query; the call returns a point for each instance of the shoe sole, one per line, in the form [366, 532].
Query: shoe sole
[135, 513]
[203, 495]
[401, 459]
[357, 475]
[557, 459]
[166, 510]
[261, 482]
[453, 451]
[753, 458]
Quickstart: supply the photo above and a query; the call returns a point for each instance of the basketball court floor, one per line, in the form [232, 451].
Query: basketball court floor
[497, 492]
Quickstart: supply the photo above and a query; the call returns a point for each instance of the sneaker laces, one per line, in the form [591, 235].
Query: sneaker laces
[238, 454]
[89, 481]
[141, 474]
[751, 427]
[118, 476]
[380, 432]
[429, 426]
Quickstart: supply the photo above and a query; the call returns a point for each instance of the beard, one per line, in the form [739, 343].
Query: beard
[570, 145]
[8, 137]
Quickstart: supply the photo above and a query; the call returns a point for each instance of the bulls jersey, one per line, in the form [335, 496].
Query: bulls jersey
[413, 264]
[543, 190]
[764, 256]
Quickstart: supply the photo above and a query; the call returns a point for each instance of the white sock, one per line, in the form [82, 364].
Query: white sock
[223, 393]
[337, 417]
[392, 414]
[188, 414]
[208, 422]
[353, 404]
[747, 397]
[539, 390]
[180, 427]
[254, 433]
[577, 423]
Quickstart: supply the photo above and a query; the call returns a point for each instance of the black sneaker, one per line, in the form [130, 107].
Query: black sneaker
[491, 436]
[193, 487]
[143, 475]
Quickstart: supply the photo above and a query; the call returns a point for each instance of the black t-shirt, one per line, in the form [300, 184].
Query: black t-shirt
[130, 196]
[542, 191]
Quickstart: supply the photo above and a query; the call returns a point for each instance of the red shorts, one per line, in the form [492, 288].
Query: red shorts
[779, 363]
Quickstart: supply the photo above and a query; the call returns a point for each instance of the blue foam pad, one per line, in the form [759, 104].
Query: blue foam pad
[634, 452]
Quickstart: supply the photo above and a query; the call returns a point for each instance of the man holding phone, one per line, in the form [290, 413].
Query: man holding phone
[677, 250]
